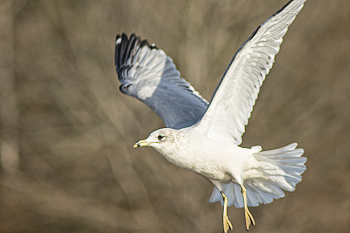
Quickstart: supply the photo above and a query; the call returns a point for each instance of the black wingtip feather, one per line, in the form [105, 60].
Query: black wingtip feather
[123, 46]
[144, 43]
[126, 48]
[117, 53]
[129, 47]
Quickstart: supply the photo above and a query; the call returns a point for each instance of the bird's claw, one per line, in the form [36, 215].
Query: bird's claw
[227, 224]
[249, 220]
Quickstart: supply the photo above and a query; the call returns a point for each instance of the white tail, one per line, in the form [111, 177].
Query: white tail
[280, 169]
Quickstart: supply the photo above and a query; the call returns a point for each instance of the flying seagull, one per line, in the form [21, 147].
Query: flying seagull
[205, 137]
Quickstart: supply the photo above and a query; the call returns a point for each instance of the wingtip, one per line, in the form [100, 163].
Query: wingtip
[126, 48]
[118, 39]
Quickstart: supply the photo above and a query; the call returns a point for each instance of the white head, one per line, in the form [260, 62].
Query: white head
[164, 141]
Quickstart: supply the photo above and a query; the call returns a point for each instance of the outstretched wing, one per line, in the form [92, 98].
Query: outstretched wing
[235, 96]
[147, 73]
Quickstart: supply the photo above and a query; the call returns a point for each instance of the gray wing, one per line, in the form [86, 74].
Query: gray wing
[235, 96]
[148, 74]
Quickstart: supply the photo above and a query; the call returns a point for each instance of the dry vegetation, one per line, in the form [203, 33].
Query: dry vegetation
[67, 162]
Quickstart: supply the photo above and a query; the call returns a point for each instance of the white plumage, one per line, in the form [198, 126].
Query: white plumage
[204, 138]
[281, 170]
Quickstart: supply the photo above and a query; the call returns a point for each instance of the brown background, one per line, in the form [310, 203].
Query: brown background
[67, 162]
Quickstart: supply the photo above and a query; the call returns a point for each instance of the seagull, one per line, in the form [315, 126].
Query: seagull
[204, 137]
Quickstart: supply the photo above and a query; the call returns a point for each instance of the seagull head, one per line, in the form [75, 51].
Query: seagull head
[162, 140]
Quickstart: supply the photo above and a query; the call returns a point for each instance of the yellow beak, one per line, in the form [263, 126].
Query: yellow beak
[141, 143]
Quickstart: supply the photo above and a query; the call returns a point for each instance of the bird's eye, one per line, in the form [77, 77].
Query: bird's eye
[160, 137]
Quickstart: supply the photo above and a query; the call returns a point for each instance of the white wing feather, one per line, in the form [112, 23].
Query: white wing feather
[235, 96]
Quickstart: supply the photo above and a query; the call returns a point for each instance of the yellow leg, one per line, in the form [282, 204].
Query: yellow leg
[248, 216]
[226, 222]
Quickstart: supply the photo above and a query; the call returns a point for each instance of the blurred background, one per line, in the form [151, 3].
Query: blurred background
[67, 133]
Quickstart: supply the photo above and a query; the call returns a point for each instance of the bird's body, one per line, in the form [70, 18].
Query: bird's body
[266, 172]
[205, 137]
[205, 160]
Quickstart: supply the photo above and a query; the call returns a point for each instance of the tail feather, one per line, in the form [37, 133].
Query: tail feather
[280, 170]
[280, 151]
